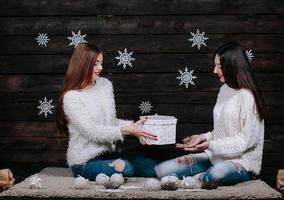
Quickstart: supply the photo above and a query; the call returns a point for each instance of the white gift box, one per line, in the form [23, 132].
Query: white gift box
[163, 126]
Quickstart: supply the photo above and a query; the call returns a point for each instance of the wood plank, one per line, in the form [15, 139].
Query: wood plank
[273, 159]
[146, 83]
[34, 157]
[199, 113]
[137, 7]
[143, 24]
[159, 97]
[260, 43]
[48, 129]
[61, 144]
[33, 143]
[192, 113]
[156, 151]
[29, 129]
[270, 160]
[270, 98]
[129, 98]
[146, 63]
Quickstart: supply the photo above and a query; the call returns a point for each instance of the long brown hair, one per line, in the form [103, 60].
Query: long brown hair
[79, 75]
[238, 73]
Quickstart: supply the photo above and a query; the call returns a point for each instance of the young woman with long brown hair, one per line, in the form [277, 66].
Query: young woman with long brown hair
[86, 112]
[232, 151]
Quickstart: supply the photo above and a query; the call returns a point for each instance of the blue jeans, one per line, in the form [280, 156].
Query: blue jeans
[128, 164]
[221, 173]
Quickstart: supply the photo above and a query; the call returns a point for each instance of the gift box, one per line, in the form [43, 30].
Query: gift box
[163, 126]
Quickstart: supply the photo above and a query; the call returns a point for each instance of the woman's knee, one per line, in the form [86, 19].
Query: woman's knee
[224, 173]
[123, 166]
[209, 181]
[214, 176]
[166, 168]
[91, 169]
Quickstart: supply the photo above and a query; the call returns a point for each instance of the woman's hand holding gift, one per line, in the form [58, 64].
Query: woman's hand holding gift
[136, 130]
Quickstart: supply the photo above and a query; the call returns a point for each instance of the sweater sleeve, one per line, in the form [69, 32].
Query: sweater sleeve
[236, 145]
[119, 122]
[77, 114]
[124, 123]
[208, 135]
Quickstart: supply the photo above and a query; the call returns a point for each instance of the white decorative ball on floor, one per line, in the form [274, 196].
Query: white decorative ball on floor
[169, 183]
[117, 178]
[111, 185]
[34, 182]
[152, 185]
[80, 182]
[115, 181]
[102, 178]
[188, 182]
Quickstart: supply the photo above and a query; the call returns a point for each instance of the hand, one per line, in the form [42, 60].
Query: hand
[143, 140]
[200, 147]
[136, 130]
[194, 140]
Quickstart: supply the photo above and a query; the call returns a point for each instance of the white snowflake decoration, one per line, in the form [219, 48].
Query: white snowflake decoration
[145, 107]
[125, 58]
[42, 39]
[249, 55]
[76, 38]
[186, 77]
[198, 39]
[45, 107]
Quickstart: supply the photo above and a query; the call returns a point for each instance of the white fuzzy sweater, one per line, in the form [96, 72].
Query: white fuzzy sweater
[238, 133]
[92, 123]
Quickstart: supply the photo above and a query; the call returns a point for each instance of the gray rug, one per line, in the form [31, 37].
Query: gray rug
[58, 182]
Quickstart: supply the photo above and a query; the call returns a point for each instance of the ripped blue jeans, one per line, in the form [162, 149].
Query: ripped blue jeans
[128, 164]
[221, 173]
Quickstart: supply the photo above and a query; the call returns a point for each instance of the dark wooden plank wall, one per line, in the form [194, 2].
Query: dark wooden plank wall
[157, 32]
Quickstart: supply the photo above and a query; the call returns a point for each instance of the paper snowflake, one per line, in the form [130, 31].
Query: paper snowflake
[45, 107]
[198, 39]
[76, 38]
[125, 58]
[145, 107]
[186, 77]
[249, 55]
[42, 39]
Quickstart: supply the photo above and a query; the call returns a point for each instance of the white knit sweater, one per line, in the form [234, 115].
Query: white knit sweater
[238, 133]
[92, 123]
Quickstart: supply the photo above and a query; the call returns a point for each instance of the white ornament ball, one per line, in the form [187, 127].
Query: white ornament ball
[102, 178]
[111, 185]
[117, 179]
[152, 185]
[34, 182]
[80, 182]
[169, 183]
[188, 182]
